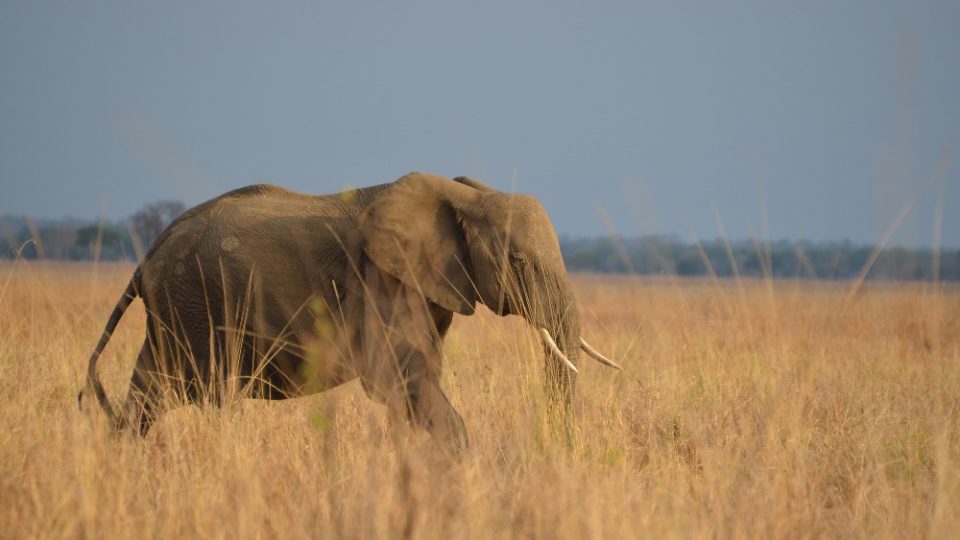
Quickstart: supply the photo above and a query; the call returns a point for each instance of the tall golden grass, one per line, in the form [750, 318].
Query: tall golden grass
[746, 409]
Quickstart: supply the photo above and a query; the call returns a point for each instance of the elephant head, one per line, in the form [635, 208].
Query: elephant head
[461, 242]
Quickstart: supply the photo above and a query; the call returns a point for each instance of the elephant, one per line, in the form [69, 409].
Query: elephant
[275, 294]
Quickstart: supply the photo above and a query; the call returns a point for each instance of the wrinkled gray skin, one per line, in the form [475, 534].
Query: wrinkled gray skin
[284, 294]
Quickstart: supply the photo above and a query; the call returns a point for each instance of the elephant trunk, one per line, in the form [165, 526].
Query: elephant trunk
[549, 305]
[557, 319]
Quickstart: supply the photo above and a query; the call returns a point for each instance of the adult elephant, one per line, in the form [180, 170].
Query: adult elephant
[271, 293]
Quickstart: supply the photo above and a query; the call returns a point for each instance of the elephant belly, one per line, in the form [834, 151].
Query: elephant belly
[288, 374]
[292, 351]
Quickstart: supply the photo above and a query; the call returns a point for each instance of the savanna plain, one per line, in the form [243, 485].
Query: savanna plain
[746, 408]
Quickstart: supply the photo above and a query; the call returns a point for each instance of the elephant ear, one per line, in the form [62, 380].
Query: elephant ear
[475, 184]
[413, 232]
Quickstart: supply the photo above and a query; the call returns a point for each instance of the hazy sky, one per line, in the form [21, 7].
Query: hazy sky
[663, 114]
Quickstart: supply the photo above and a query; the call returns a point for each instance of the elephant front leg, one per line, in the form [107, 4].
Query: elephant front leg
[430, 409]
[412, 394]
[402, 337]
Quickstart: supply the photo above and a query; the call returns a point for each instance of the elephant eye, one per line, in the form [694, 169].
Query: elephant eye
[516, 256]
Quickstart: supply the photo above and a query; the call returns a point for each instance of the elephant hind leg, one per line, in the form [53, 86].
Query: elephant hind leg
[145, 399]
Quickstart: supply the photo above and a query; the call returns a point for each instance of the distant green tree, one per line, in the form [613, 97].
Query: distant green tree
[57, 240]
[114, 244]
[148, 222]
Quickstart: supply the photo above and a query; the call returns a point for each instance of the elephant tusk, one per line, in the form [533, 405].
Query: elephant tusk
[556, 350]
[597, 356]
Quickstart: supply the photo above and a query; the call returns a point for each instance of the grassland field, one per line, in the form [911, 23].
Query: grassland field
[746, 409]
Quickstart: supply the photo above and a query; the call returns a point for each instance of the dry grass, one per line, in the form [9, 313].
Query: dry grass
[748, 409]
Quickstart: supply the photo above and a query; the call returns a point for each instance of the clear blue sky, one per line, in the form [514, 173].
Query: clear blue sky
[663, 114]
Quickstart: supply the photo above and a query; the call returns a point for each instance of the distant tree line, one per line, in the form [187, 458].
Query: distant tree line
[780, 259]
[78, 240]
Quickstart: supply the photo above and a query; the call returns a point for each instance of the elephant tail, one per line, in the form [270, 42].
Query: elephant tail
[93, 380]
